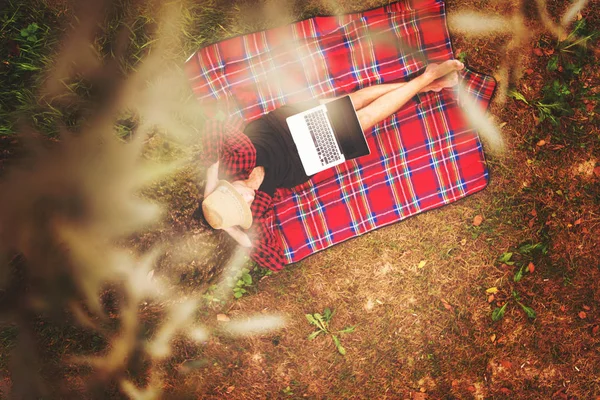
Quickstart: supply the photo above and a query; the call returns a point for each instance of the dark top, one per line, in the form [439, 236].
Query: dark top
[275, 148]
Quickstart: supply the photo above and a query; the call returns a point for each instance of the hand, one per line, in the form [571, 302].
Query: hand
[240, 236]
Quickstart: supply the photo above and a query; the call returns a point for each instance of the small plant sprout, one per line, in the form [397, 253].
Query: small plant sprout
[288, 391]
[244, 281]
[498, 312]
[322, 324]
[29, 33]
[522, 258]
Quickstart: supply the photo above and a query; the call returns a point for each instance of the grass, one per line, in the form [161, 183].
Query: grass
[418, 289]
[28, 35]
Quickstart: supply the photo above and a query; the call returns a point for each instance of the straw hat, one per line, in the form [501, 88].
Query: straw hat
[225, 207]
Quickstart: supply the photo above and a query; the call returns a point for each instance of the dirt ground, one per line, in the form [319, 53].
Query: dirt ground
[421, 294]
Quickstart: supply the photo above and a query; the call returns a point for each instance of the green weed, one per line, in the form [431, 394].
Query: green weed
[554, 104]
[523, 258]
[244, 281]
[322, 324]
[288, 391]
[498, 312]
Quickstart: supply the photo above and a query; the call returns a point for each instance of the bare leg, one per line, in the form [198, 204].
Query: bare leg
[363, 97]
[387, 104]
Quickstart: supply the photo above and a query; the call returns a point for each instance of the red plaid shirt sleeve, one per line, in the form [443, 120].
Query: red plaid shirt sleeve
[267, 250]
[224, 141]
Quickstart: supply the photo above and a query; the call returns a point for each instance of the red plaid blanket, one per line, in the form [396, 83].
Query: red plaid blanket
[422, 157]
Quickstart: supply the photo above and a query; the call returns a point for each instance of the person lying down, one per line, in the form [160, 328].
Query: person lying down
[267, 153]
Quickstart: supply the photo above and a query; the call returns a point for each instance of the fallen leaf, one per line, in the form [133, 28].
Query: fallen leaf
[563, 308]
[491, 298]
[454, 383]
[577, 222]
[505, 391]
[533, 212]
[477, 220]
[230, 389]
[493, 338]
[531, 222]
[538, 52]
[595, 329]
[541, 143]
[422, 264]
[447, 306]
[585, 231]
[531, 268]
[463, 242]
[471, 388]
[528, 71]
[222, 318]
[549, 51]
[586, 308]
[506, 364]
[582, 314]
[492, 290]
[502, 125]
[597, 171]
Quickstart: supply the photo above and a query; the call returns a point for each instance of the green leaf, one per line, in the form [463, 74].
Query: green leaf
[505, 257]
[314, 334]
[237, 295]
[311, 319]
[519, 275]
[327, 314]
[239, 283]
[339, 346]
[247, 278]
[321, 322]
[529, 311]
[31, 38]
[498, 313]
[347, 329]
[517, 96]
[24, 32]
[552, 63]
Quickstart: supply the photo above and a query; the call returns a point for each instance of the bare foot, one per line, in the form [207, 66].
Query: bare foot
[446, 81]
[436, 71]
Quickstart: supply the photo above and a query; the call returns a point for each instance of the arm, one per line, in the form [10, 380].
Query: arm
[240, 236]
[212, 177]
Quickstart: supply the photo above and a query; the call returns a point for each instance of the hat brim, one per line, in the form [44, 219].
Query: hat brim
[246, 212]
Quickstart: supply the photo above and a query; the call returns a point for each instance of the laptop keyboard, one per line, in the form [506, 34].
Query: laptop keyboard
[322, 137]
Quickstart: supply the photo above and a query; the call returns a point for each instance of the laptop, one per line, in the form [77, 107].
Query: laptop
[328, 135]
